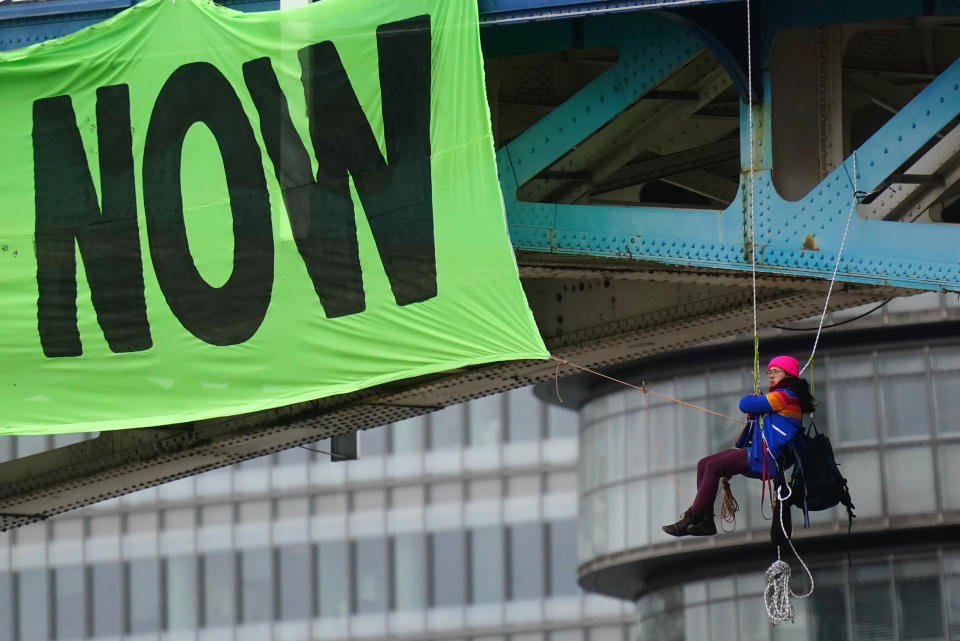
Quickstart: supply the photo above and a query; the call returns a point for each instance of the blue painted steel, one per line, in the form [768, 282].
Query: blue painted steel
[508, 11]
[902, 254]
[28, 23]
[651, 47]
[59, 7]
[724, 33]
[497, 6]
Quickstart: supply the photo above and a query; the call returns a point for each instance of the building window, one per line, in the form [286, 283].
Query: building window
[6, 604]
[853, 399]
[370, 576]
[447, 565]
[144, 591]
[945, 364]
[918, 600]
[870, 592]
[333, 579]
[562, 422]
[485, 421]
[524, 414]
[372, 442]
[486, 565]
[219, 592]
[108, 599]
[563, 558]
[409, 572]
[181, 591]
[446, 428]
[71, 602]
[256, 581]
[295, 566]
[909, 479]
[829, 603]
[407, 436]
[33, 605]
[904, 394]
[526, 561]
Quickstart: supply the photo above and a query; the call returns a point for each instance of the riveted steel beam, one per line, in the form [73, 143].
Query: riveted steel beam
[909, 196]
[592, 311]
[662, 166]
[641, 127]
[801, 237]
[511, 11]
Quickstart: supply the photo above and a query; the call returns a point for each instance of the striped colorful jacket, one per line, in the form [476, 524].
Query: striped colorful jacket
[781, 423]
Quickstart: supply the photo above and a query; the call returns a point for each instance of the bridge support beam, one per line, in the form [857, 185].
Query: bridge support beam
[798, 234]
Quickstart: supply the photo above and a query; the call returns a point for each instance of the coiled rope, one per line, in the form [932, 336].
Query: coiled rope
[728, 506]
[777, 594]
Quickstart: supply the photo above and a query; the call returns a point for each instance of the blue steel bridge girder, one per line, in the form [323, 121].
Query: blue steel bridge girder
[799, 237]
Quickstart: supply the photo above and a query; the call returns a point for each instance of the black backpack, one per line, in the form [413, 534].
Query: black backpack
[816, 483]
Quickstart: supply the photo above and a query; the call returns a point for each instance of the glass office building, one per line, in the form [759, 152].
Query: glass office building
[456, 526]
[476, 523]
[889, 398]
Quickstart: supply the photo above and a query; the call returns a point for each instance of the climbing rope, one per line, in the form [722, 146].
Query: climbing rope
[645, 390]
[728, 506]
[777, 594]
[751, 198]
[836, 267]
[656, 444]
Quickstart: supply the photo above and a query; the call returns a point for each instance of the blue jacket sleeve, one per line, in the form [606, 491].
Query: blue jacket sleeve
[751, 404]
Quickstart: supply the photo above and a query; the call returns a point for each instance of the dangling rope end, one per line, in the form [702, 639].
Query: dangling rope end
[556, 379]
[729, 506]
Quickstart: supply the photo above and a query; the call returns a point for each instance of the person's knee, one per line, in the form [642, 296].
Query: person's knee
[714, 468]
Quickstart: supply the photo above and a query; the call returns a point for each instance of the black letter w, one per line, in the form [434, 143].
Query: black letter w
[67, 211]
[396, 195]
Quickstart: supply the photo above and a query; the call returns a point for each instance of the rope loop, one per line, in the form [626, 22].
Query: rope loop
[776, 596]
[729, 506]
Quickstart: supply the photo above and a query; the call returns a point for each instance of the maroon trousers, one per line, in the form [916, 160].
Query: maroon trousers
[709, 470]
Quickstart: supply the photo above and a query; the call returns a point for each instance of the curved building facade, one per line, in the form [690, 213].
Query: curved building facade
[888, 395]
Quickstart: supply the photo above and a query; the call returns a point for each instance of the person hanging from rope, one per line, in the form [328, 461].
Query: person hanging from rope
[774, 419]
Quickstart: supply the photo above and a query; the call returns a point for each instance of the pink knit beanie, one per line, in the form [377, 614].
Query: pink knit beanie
[788, 364]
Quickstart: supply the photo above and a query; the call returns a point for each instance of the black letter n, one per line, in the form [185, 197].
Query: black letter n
[68, 211]
[396, 195]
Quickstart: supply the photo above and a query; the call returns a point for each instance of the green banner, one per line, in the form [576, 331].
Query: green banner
[205, 212]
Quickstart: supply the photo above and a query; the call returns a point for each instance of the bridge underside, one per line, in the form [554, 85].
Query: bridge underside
[624, 146]
[593, 312]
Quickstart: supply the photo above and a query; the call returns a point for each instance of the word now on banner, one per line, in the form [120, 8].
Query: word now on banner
[205, 212]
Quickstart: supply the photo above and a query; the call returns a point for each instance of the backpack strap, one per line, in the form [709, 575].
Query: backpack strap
[803, 483]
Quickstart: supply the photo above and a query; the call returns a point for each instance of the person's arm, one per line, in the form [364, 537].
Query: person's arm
[751, 404]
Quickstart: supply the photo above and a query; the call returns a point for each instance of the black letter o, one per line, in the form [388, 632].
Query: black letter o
[229, 314]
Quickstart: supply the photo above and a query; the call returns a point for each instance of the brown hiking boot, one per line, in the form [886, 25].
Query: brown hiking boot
[706, 526]
[680, 527]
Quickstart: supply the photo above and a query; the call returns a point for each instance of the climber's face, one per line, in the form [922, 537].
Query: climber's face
[775, 375]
